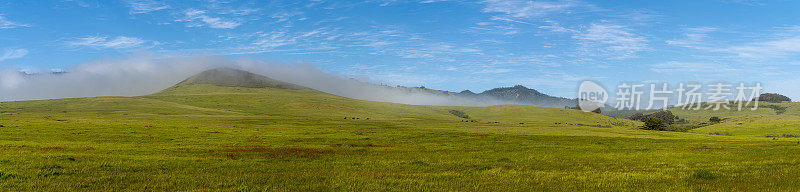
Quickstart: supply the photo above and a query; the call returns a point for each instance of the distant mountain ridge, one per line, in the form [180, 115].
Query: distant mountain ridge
[517, 94]
[524, 95]
[521, 95]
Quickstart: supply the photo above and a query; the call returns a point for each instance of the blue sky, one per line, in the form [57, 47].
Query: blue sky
[441, 44]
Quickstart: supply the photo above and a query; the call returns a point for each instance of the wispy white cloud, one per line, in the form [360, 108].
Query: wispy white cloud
[768, 49]
[612, 40]
[529, 9]
[513, 15]
[242, 11]
[286, 41]
[710, 70]
[675, 66]
[493, 71]
[379, 40]
[102, 42]
[635, 16]
[145, 6]
[432, 1]
[199, 18]
[273, 40]
[439, 51]
[555, 27]
[13, 54]
[745, 2]
[6, 24]
[693, 37]
[285, 15]
[83, 3]
[549, 79]
[493, 29]
[765, 46]
[229, 7]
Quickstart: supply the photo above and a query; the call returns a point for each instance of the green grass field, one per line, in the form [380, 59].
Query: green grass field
[201, 137]
[752, 123]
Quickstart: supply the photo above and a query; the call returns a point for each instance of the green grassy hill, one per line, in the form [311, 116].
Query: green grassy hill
[216, 135]
[296, 101]
[769, 119]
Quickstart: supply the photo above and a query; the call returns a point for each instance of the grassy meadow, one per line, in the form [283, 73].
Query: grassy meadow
[203, 137]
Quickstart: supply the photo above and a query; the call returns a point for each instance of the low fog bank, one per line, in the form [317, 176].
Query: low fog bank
[315, 78]
[130, 76]
[142, 75]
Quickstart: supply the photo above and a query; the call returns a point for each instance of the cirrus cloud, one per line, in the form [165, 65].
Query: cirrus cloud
[103, 42]
[199, 18]
[613, 40]
[145, 6]
[6, 24]
[13, 54]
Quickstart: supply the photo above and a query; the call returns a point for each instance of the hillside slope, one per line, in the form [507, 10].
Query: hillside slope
[771, 118]
[284, 100]
[209, 137]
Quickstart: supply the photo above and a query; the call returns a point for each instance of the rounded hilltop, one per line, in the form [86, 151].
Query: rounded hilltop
[773, 98]
[230, 77]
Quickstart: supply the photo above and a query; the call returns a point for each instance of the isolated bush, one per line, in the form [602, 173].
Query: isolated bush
[723, 133]
[458, 113]
[773, 97]
[637, 117]
[652, 123]
[419, 163]
[5, 175]
[598, 111]
[682, 127]
[715, 119]
[778, 109]
[664, 115]
[703, 175]
[784, 135]
[681, 121]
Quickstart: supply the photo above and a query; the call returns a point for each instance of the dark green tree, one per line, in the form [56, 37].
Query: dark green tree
[665, 116]
[715, 119]
[652, 123]
[637, 117]
[773, 98]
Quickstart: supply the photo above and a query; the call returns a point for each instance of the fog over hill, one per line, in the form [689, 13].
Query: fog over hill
[230, 77]
[141, 75]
